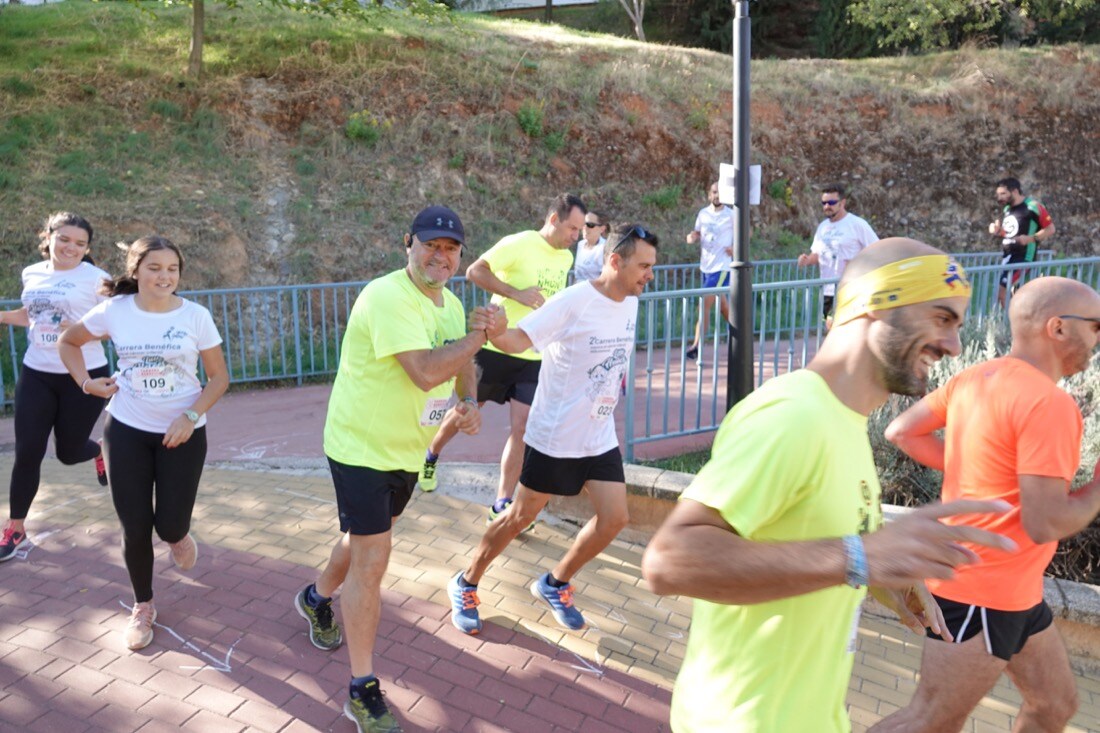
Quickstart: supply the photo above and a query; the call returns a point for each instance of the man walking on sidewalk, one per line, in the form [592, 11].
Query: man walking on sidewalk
[406, 351]
[584, 335]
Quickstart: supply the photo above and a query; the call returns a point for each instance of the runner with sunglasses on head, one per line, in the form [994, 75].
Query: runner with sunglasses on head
[584, 335]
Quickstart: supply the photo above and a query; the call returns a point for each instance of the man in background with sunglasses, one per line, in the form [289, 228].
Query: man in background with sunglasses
[585, 335]
[839, 238]
[1011, 434]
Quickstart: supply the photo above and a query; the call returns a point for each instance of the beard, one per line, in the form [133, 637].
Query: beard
[900, 363]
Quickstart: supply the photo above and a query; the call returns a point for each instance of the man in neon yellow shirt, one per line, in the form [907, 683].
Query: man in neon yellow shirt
[406, 351]
[522, 271]
[787, 512]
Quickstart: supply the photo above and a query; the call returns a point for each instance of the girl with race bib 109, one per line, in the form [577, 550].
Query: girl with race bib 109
[155, 434]
[56, 293]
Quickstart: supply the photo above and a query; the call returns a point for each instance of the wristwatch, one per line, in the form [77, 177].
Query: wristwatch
[192, 416]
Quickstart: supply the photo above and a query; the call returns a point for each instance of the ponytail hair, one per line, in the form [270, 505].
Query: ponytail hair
[127, 284]
[55, 222]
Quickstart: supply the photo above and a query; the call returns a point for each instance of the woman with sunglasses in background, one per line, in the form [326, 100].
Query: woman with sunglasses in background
[589, 260]
[56, 293]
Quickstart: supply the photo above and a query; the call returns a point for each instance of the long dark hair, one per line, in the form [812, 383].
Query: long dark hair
[55, 222]
[135, 253]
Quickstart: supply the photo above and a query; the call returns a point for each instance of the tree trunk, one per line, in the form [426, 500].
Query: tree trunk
[198, 21]
[549, 16]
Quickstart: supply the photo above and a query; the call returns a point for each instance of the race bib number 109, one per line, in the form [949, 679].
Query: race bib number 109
[152, 381]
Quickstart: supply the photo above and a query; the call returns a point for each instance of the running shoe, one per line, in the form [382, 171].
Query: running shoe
[427, 481]
[464, 603]
[692, 352]
[369, 711]
[497, 510]
[101, 467]
[185, 553]
[560, 601]
[11, 539]
[324, 633]
[139, 631]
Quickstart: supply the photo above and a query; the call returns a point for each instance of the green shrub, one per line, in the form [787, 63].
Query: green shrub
[665, 197]
[365, 128]
[166, 109]
[554, 141]
[780, 190]
[529, 117]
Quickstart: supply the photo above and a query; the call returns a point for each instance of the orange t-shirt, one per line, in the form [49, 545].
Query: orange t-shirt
[1004, 419]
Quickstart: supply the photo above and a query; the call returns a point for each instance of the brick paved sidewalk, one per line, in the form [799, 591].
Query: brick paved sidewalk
[232, 654]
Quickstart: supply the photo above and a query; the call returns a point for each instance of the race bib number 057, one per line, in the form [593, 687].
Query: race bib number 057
[434, 411]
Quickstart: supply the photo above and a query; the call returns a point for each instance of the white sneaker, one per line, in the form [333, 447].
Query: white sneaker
[139, 631]
[185, 553]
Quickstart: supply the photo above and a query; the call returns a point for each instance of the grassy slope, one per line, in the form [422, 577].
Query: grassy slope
[250, 170]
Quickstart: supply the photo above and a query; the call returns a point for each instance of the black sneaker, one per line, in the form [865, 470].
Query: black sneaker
[369, 711]
[100, 467]
[691, 353]
[11, 540]
[324, 633]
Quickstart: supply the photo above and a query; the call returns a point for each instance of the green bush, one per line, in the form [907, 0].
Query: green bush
[529, 117]
[554, 142]
[365, 128]
[666, 197]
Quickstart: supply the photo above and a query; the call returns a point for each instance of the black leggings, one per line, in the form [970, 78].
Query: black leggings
[46, 402]
[152, 487]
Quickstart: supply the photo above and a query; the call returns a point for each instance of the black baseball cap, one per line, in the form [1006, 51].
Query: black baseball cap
[438, 221]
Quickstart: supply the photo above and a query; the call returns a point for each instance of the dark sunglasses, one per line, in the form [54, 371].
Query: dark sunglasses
[638, 232]
[830, 202]
[591, 224]
[1081, 318]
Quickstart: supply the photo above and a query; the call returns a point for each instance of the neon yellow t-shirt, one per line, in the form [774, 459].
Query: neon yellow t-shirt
[789, 463]
[524, 260]
[377, 417]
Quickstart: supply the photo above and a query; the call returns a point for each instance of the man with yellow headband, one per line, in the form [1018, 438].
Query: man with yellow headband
[787, 512]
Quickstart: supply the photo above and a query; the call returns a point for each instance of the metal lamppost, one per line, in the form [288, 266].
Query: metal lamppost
[739, 376]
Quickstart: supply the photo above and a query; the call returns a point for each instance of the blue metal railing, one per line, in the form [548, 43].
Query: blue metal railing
[281, 333]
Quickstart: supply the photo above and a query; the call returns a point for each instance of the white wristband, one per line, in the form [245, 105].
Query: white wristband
[84, 386]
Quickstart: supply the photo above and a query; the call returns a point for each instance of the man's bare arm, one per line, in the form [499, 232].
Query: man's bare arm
[913, 431]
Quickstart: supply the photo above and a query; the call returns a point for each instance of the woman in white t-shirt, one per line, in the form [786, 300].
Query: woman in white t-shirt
[155, 434]
[56, 293]
[589, 262]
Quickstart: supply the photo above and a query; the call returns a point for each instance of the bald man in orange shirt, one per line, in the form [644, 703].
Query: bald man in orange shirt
[1011, 434]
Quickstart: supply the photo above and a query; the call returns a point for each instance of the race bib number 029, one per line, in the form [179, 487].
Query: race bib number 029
[152, 381]
[603, 407]
[434, 411]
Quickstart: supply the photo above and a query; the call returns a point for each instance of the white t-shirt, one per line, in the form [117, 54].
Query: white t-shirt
[52, 298]
[715, 236]
[585, 339]
[158, 356]
[837, 242]
[589, 263]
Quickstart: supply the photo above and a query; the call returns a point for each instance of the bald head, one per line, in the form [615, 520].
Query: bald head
[883, 252]
[1044, 298]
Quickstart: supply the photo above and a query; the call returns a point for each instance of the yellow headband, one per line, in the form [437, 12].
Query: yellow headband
[915, 280]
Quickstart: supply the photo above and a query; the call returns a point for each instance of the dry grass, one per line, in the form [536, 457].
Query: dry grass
[252, 173]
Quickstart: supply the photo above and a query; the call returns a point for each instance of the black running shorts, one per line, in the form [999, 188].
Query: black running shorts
[369, 500]
[567, 476]
[1005, 632]
[503, 377]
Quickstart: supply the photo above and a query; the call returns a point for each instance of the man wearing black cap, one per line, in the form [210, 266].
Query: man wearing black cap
[406, 351]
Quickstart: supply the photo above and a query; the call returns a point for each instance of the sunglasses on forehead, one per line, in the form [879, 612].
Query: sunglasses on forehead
[635, 232]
